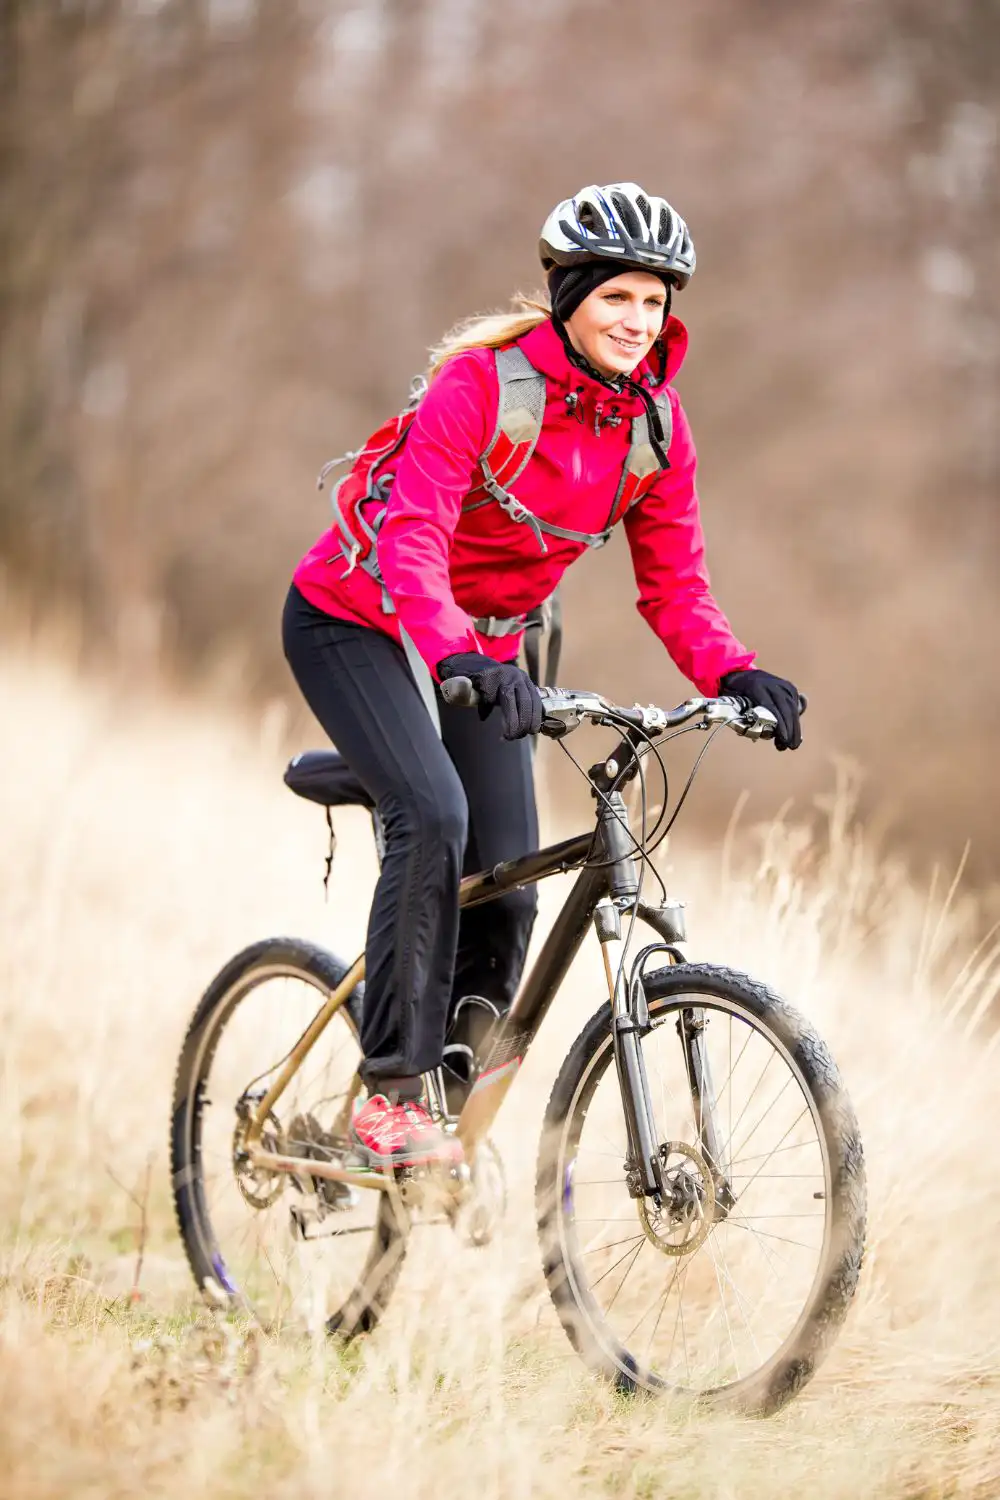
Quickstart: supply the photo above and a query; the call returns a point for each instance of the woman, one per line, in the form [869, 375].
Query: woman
[456, 580]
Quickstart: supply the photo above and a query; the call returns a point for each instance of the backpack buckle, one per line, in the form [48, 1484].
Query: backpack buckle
[418, 390]
[512, 505]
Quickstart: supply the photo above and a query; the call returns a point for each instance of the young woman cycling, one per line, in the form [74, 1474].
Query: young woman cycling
[456, 580]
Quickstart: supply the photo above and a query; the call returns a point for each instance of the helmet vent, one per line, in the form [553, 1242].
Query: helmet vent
[664, 232]
[627, 214]
[642, 203]
[591, 220]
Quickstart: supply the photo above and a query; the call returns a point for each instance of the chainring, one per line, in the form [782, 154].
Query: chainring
[484, 1202]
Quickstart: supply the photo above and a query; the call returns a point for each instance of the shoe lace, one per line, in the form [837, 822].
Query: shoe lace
[416, 1114]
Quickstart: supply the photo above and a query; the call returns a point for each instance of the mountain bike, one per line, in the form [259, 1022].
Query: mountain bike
[700, 1187]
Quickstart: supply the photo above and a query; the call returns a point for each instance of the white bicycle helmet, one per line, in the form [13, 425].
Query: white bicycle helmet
[621, 223]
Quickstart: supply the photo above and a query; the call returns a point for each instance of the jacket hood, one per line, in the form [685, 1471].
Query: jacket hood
[544, 348]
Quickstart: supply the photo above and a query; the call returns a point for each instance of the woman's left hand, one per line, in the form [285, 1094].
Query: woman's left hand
[500, 684]
[777, 694]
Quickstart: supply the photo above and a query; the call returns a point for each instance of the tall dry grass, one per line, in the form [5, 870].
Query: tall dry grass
[144, 842]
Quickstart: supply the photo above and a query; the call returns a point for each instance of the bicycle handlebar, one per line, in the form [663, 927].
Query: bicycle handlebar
[565, 710]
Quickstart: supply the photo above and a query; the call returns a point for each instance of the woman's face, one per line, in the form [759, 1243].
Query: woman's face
[615, 326]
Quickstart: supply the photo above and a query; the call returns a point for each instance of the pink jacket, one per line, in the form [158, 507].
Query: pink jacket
[443, 569]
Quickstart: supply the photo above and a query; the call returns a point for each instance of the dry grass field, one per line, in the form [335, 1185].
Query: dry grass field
[146, 841]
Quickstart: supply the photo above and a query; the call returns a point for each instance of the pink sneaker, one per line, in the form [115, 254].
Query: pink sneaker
[403, 1135]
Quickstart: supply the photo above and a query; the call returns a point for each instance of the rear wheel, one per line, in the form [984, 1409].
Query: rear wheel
[730, 1291]
[295, 1251]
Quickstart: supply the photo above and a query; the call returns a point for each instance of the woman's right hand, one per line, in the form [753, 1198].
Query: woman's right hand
[499, 684]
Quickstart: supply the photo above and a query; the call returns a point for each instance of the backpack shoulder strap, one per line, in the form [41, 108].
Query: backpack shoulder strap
[641, 465]
[520, 413]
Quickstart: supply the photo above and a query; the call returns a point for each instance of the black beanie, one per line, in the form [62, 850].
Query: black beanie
[571, 285]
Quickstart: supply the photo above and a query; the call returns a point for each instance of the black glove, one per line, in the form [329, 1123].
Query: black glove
[774, 693]
[500, 684]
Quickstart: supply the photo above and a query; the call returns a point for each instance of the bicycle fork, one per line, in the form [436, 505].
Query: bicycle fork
[629, 1012]
[645, 1172]
[630, 1023]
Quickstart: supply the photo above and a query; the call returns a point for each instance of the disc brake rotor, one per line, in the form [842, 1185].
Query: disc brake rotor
[682, 1224]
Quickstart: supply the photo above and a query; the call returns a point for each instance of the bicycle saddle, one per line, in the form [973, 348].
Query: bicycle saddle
[323, 776]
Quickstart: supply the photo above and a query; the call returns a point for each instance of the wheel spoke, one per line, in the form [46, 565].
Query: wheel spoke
[593, 1249]
[615, 1265]
[733, 1066]
[804, 1111]
[589, 1182]
[763, 1233]
[770, 1059]
[766, 1155]
[716, 1246]
[625, 1276]
[787, 1083]
[670, 1286]
[725, 1311]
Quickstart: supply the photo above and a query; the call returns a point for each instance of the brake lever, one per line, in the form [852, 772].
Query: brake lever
[761, 726]
[760, 723]
[566, 701]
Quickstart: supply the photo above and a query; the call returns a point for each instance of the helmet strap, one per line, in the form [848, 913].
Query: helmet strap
[610, 382]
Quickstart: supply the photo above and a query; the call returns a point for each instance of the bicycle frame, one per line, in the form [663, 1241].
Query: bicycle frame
[611, 883]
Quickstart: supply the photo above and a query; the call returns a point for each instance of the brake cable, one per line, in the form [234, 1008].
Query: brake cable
[644, 848]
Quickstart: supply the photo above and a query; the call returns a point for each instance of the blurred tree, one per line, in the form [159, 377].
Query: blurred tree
[229, 231]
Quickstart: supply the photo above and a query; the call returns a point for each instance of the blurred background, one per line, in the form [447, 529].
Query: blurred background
[229, 230]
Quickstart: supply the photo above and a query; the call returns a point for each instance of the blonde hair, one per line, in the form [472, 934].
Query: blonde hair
[490, 330]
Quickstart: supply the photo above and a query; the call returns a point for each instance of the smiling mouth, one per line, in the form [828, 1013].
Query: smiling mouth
[628, 346]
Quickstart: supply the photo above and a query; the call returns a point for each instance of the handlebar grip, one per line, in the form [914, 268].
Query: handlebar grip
[459, 692]
[745, 704]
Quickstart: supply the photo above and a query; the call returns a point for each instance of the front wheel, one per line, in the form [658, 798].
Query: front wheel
[729, 1289]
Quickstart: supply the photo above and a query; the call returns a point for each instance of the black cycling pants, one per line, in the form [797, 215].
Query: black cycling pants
[449, 806]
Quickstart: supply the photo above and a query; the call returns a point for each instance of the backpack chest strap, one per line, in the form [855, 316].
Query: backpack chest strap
[541, 528]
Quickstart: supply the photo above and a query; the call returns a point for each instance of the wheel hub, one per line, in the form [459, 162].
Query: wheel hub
[680, 1224]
